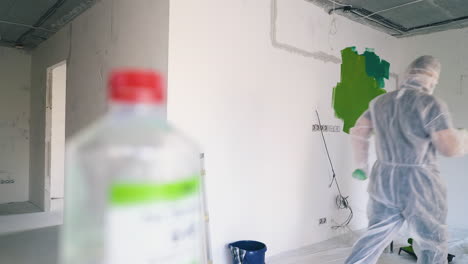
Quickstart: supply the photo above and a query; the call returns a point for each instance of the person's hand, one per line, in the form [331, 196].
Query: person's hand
[360, 174]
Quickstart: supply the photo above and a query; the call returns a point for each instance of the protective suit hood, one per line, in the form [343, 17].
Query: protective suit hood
[422, 74]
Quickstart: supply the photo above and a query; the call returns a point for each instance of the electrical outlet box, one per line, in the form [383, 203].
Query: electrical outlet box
[322, 221]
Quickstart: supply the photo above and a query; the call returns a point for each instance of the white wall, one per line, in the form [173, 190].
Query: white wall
[450, 48]
[15, 71]
[113, 33]
[251, 106]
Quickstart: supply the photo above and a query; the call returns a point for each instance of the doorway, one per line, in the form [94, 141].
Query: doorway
[55, 136]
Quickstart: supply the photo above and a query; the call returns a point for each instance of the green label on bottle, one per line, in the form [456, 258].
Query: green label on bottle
[139, 193]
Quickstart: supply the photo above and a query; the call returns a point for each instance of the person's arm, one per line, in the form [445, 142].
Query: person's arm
[360, 135]
[448, 141]
[451, 142]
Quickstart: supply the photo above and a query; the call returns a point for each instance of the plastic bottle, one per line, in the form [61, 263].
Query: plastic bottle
[132, 183]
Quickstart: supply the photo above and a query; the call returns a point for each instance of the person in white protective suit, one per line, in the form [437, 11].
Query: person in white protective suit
[410, 126]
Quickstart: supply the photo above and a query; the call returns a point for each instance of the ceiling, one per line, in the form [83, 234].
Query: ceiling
[402, 18]
[26, 23]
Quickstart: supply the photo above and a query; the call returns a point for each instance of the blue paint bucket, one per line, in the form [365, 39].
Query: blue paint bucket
[248, 252]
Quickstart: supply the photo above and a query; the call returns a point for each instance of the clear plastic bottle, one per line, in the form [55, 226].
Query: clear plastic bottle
[132, 183]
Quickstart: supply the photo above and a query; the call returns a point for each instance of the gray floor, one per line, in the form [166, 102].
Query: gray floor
[336, 250]
[29, 238]
[37, 246]
[40, 246]
[18, 208]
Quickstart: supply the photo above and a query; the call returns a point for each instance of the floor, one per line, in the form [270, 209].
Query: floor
[37, 246]
[18, 208]
[30, 238]
[336, 250]
[24, 222]
[40, 246]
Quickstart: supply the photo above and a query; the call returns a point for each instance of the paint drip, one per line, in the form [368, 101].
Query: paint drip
[362, 79]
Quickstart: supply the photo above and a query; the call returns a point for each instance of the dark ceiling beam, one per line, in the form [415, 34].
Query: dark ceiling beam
[24, 25]
[440, 23]
[7, 43]
[376, 18]
[41, 20]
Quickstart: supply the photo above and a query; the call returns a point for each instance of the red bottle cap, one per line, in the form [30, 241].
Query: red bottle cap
[136, 86]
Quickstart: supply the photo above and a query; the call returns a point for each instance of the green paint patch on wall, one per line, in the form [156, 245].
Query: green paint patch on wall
[362, 79]
[377, 68]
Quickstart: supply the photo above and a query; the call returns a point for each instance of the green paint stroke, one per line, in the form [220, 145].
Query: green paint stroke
[362, 79]
[141, 193]
[377, 68]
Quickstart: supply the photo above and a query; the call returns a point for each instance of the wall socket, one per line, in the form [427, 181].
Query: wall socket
[7, 181]
[322, 221]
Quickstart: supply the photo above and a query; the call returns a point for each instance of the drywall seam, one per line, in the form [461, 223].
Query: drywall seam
[318, 55]
[70, 44]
